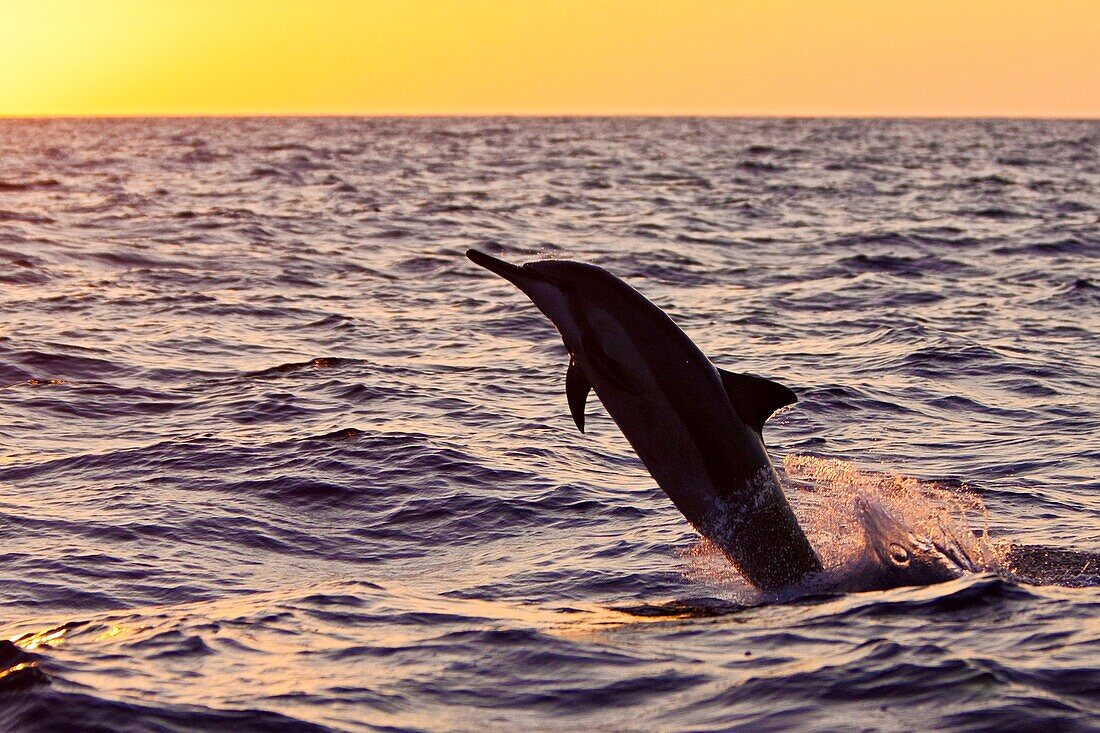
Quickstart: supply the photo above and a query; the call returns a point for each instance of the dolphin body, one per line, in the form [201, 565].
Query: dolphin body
[696, 428]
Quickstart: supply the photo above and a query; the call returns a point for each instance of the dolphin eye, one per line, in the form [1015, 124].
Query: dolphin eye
[898, 554]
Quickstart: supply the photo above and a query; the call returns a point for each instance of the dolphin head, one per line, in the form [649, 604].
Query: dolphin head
[563, 275]
[553, 286]
[600, 319]
[898, 555]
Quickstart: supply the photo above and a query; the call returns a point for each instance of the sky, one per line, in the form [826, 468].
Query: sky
[1017, 58]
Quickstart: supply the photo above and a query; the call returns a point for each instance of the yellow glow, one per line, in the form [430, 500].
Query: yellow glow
[803, 57]
[16, 668]
[111, 633]
[47, 638]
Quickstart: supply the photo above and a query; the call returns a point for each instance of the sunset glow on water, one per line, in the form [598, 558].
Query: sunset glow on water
[276, 456]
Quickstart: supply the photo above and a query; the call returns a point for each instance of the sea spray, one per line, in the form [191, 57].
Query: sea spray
[835, 502]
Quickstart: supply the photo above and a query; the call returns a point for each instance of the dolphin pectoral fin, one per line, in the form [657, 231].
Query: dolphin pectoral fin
[755, 398]
[577, 388]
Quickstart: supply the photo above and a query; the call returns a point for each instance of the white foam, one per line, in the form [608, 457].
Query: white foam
[833, 500]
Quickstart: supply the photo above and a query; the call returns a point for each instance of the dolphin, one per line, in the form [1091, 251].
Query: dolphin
[894, 554]
[697, 428]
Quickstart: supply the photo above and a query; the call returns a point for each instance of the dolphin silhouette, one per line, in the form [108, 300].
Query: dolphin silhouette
[696, 428]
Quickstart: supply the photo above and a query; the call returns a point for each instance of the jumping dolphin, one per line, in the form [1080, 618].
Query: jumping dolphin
[696, 428]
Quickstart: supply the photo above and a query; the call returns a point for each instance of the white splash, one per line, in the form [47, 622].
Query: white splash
[835, 501]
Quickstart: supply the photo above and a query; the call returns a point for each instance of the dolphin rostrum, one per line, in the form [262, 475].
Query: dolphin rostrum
[696, 428]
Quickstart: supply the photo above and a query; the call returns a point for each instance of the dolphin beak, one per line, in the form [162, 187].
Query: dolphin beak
[518, 276]
[506, 270]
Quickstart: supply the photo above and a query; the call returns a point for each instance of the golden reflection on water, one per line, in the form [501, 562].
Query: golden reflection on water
[14, 670]
[50, 637]
[112, 632]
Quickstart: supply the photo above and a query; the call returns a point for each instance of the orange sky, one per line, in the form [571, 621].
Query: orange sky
[727, 57]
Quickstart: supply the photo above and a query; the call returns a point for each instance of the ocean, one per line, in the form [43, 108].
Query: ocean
[275, 456]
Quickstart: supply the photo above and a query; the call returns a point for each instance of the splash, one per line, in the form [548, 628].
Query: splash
[843, 510]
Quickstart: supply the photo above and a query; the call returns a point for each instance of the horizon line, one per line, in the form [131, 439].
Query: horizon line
[541, 115]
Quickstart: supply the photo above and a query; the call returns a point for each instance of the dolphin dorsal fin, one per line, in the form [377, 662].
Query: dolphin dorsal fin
[755, 398]
[577, 388]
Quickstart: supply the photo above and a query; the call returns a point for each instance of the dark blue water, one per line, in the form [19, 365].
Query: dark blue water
[275, 456]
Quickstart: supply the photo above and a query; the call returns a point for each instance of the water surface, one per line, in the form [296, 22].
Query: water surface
[275, 456]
